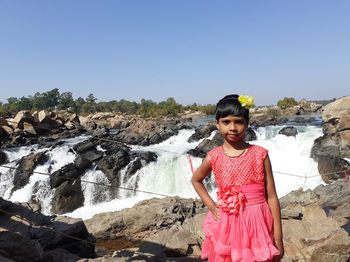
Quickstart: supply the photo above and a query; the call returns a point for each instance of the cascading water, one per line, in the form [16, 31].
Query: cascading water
[169, 175]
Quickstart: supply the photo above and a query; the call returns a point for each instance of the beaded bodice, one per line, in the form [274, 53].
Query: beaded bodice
[243, 170]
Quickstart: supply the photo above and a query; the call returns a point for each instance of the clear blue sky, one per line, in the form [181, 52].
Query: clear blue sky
[192, 50]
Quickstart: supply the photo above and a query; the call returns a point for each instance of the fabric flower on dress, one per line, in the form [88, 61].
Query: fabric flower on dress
[230, 199]
[246, 101]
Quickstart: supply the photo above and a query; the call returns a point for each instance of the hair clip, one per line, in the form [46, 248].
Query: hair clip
[246, 101]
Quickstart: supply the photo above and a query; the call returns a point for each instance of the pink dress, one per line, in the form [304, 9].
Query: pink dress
[245, 229]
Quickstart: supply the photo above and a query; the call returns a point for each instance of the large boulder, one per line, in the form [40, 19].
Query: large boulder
[265, 120]
[25, 168]
[336, 118]
[288, 131]
[21, 117]
[332, 168]
[26, 235]
[202, 132]
[3, 157]
[68, 196]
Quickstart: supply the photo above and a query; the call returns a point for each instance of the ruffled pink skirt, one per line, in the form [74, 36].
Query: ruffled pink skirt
[246, 236]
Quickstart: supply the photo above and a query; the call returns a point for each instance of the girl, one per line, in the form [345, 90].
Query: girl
[245, 223]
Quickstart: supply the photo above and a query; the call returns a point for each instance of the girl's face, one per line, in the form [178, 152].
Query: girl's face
[232, 128]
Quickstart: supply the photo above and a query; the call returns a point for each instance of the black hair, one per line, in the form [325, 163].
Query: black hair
[229, 105]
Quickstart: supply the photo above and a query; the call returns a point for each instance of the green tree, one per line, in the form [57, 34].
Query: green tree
[65, 100]
[287, 102]
[91, 99]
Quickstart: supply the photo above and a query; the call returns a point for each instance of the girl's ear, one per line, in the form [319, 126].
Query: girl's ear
[217, 124]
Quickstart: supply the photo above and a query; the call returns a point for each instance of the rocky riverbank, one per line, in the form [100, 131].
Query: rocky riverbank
[315, 228]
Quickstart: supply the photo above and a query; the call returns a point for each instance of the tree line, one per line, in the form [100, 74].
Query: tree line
[53, 100]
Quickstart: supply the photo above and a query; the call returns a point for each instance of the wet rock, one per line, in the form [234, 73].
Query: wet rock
[25, 168]
[82, 163]
[84, 146]
[324, 146]
[332, 168]
[100, 131]
[289, 131]
[202, 132]
[267, 121]
[3, 158]
[249, 135]
[206, 145]
[66, 173]
[68, 197]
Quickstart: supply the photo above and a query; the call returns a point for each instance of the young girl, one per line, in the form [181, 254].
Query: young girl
[244, 224]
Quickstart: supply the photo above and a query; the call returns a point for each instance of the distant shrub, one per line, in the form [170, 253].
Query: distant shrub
[287, 102]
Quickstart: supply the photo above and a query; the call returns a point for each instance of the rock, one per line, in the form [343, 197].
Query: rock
[82, 163]
[304, 119]
[336, 119]
[145, 217]
[69, 171]
[267, 121]
[3, 158]
[68, 197]
[44, 117]
[22, 116]
[206, 145]
[324, 146]
[100, 132]
[202, 132]
[9, 130]
[32, 236]
[332, 168]
[316, 237]
[28, 129]
[84, 146]
[111, 166]
[250, 135]
[25, 168]
[289, 131]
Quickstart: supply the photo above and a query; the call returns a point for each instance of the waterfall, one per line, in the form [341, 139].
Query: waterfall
[169, 175]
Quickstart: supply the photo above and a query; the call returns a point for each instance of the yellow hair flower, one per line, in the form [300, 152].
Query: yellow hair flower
[246, 101]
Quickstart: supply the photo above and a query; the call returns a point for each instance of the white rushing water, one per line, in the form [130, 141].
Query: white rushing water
[169, 175]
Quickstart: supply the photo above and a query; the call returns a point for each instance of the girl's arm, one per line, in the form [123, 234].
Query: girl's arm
[202, 172]
[274, 204]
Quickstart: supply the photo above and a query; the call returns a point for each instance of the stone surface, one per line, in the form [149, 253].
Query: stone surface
[288, 131]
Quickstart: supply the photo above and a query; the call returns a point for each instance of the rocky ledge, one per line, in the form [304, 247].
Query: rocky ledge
[315, 228]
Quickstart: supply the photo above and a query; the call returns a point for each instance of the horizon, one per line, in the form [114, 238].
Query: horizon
[194, 51]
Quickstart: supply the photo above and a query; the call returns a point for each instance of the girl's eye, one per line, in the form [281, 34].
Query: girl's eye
[226, 122]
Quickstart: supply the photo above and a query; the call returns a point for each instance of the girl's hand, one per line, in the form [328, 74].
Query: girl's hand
[281, 250]
[215, 211]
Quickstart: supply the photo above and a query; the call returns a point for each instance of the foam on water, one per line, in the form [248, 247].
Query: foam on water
[169, 175]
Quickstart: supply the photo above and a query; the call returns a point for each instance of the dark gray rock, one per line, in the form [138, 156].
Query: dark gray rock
[202, 132]
[250, 135]
[206, 145]
[68, 197]
[66, 173]
[289, 131]
[82, 163]
[332, 168]
[267, 121]
[25, 168]
[3, 158]
[84, 146]
[324, 146]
